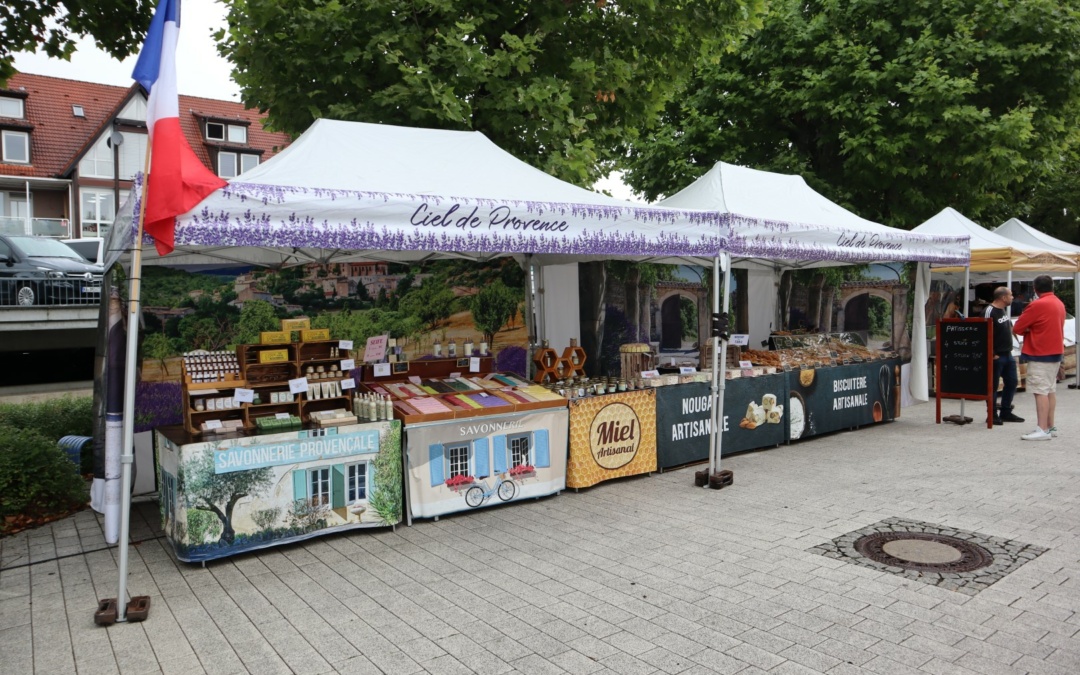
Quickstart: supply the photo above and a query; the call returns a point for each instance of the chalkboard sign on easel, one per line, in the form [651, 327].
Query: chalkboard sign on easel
[964, 367]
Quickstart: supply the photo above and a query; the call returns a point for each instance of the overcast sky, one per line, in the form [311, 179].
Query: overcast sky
[200, 71]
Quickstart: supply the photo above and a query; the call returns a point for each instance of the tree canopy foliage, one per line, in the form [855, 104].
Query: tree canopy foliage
[562, 85]
[53, 26]
[896, 109]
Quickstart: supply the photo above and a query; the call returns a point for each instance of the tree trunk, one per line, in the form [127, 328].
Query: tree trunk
[785, 299]
[828, 297]
[742, 300]
[646, 313]
[813, 301]
[633, 300]
[592, 282]
[902, 315]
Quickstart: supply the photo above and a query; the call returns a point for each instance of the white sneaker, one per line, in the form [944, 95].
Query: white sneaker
[1037, 435]
[1053, 432]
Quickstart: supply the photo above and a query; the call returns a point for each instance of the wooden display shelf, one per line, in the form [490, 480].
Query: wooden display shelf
[547, 363]
[568, 356]
[427, 369]
[459, 413]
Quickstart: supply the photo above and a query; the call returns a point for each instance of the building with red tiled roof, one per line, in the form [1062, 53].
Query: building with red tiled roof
[69, 150]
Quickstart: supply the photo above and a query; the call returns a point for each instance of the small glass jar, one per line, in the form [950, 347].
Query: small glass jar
[622, 385]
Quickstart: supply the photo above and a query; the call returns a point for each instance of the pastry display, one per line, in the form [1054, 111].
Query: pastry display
[766, 412]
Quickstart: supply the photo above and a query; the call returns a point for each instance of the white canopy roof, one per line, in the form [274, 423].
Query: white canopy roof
[350, 190]
[779, 217]
[993, 253]
[1018, 230]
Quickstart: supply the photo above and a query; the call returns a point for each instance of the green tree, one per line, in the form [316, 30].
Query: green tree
[219, 492]
[492, 307]
[256, 316]
[896, 109]
[431, 302]
[562, 85]
[158, 346]
[53, 26]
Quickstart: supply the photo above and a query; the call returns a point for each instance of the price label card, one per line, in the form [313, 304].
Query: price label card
[454, 375]
[745, 364]
[344, 344]
[382, 370]
[375, 350]
[747, 372]
[650, 373]
[281, 416]
[687, 370]
[474, 364]
[299, 385]
[740, 340]
[787, 367]
[415, 379]
[348, 364]
[213, 424]
[244, 395]
[348, 384]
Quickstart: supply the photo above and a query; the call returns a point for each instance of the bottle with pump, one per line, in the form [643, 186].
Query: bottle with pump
[451, 349]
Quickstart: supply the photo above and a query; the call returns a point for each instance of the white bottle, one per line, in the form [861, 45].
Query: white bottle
[372, 414]
[389, 409]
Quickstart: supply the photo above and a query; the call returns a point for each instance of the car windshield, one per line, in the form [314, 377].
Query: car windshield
[43, 247]
[87, 249]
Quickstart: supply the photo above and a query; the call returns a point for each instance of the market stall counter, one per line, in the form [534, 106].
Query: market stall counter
[754, 418]
[472, 438]
[223, 494]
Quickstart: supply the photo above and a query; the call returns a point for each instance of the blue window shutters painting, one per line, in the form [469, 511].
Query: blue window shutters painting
[299, 484]
[337, 486]
[499, 444]
[481, 458]
[541, 448]
[435, 464]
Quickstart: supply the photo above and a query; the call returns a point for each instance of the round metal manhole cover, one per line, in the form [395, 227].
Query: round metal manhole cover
[923, 552]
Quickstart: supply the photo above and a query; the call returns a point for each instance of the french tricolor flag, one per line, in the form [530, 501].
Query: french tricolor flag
[178, 180]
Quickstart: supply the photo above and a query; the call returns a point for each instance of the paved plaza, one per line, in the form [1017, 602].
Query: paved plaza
[637, 576]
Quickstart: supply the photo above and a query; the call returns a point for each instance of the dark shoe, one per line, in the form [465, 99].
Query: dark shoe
[1009, 417]
[997, 421]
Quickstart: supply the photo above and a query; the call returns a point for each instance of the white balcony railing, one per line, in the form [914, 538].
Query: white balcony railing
[41, 227]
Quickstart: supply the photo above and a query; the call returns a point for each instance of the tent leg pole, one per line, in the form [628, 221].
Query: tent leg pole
[967, 305]
[719, 366]
[530, 323]
[1076, 327]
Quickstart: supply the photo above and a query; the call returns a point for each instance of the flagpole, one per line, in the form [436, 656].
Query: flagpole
[131, 361]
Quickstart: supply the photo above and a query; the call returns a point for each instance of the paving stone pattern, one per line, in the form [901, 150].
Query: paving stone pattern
[638, 576]
[1007, 554]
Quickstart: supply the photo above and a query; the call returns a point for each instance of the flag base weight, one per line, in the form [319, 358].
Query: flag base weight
[957, 419]
[138, 608]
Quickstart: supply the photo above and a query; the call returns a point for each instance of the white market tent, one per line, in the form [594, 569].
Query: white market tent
[991, 256]
[778, 221]
[772, 219]
[1019, 231]
[351, 190]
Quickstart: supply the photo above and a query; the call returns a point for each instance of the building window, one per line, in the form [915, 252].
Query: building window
[132, 154]
[215, 131]
[356, 482]
[233, 133]
[11, 107]
[98, 211]
[248, 162]
[98, 160]
[77, 111]
[226, 164]
[519, 450]
[16, 146]
[319, 486]
[457, 460]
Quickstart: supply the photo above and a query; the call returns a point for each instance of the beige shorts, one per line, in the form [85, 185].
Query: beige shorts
[1042, 377]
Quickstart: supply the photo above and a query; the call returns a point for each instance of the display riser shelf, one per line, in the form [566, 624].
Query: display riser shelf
[547, 363]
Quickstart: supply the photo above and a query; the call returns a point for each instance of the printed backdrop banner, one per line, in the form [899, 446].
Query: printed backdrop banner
[222, 497]
[611, 436]
[843, 396]
[683, 418]
[459, 465]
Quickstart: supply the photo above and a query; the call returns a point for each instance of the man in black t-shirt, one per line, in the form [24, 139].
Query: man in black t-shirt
[1004, 362]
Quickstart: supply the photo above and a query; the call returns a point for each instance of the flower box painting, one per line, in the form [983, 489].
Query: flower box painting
[464, 464]
[223, 497]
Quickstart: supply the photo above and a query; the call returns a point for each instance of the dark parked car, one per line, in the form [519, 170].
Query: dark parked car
[39, 270]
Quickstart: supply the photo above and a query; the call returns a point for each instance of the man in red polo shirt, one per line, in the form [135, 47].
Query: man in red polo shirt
[1042, 325]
